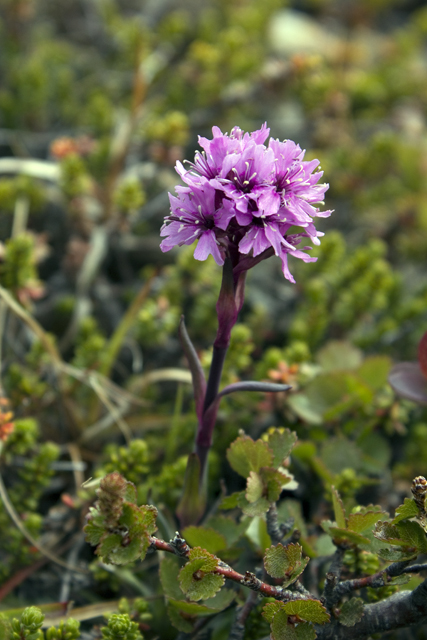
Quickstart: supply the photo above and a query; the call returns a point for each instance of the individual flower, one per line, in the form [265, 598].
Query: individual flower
[244, 200]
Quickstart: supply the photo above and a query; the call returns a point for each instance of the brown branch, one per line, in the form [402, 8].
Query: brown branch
[375, 581]
[402, 609]
[180, 548]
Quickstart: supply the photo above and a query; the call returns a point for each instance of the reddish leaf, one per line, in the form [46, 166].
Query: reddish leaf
[408, 381]
[422, 354]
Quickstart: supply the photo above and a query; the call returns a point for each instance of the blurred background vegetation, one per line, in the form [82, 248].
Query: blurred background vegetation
[98, 99]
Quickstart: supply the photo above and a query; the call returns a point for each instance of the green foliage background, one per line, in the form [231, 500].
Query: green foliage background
[97, 102]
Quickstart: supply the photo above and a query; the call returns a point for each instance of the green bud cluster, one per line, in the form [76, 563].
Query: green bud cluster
[18, 269]
[121, 627]
[29, 627]
[25, 492]
[75, 180]
[90, 345]
[157, 321]
[129, 196]
[68, 630]
[21, 187]
[130, 461]
[363, 287]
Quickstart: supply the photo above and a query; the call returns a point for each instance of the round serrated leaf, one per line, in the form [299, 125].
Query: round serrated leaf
[351, 612]
[254, 487]
[309, 610]
[281, 630]
[279, 560]
[209, 561]
[198, 585]
[281, 442]
[93, 533]
[270, 610]
[135, 550]
[406, 510]
[246, 455]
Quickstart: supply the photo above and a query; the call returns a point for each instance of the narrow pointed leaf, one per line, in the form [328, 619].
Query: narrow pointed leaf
[193, 502]
[338, 510]
[197, 375]
[252, 385]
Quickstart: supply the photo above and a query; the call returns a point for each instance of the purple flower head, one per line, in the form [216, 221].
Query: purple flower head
[242, 198]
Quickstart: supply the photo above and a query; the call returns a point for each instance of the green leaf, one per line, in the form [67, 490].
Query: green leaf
[246, 455]
[204, 537]
[397, 555]
[148, 520]
[406, 510]
[210, 607]
[281, 630]
[376, 453]
[345, 535]
[281, 441]
[280, 561]
[285, 562]
[254, 487]
[93, 532]
[136, 549]
[339, 511]
[387, 532]
[309, 610]
[232, 501]
[405, 533]
[253, 509]
[304, 409]
[374, 371]
[197, 584]
[228, 527]
[323, 394]
[169, 570]
[130, 493]
[351, 612]
[339, 355]
[193, 502]
[220, 600]
[179, 621]
[274, 481]
[402, 579]
[340, 453]
[108, 544]
[270, 610]
[413, 534]
[196, 578]
[360, 522]
[209, 561]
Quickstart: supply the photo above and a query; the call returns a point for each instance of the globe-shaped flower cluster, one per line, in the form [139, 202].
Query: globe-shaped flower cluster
[243, 200]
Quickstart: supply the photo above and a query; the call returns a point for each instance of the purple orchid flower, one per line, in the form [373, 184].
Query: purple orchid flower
[243, 202]
[242, 198]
